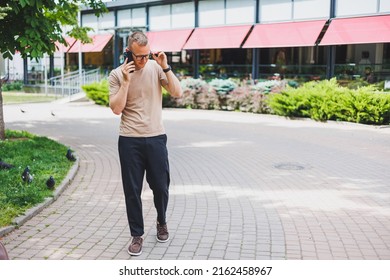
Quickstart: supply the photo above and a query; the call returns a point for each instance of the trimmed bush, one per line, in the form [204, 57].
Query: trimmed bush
[98, 92]
[326, 100]
[13, 86]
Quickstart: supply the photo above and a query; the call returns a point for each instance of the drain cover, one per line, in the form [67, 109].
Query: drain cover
[289, 166]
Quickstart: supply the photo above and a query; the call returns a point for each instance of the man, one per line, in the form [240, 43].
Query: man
[136, 94]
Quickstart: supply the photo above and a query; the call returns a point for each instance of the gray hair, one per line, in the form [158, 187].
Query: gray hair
[139, 38]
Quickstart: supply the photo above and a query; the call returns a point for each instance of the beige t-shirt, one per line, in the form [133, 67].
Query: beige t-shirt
[142, 116]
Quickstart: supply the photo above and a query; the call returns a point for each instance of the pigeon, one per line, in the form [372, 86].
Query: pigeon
[26, 176]
[4, 165]
[50, 183]
[70, 156]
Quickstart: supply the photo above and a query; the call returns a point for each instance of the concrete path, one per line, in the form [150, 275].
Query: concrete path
[243, 186]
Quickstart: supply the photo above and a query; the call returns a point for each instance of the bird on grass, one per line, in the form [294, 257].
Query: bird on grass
[50, 183]
[4, 165]
[70, 156]
[26, 176]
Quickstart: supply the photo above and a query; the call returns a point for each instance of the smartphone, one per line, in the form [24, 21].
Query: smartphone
[127, 55]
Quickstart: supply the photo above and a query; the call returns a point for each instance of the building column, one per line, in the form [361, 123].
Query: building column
[116, 49]
[25, 71]
[196, 58]
[255, 63]
[330, 64]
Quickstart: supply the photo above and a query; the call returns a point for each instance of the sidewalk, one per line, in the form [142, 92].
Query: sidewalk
[243, 186]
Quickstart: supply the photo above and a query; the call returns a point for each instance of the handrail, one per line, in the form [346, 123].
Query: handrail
[71, 83]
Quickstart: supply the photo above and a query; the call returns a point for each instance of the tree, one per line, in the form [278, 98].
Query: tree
[32, 27]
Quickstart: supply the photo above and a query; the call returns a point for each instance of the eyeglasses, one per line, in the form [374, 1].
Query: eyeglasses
[142, 56]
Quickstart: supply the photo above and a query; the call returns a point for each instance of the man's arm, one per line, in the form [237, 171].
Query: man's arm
[173, 84]
[118, 97]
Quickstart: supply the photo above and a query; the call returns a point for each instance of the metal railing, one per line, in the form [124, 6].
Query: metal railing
[71, 82]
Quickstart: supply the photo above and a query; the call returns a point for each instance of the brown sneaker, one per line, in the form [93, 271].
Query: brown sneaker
[162, 233]
[135, 248]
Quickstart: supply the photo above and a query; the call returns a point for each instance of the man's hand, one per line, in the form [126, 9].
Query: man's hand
[126, 69]
[161, 59]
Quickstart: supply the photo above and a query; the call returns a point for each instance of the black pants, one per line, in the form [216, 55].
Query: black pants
[137, 155]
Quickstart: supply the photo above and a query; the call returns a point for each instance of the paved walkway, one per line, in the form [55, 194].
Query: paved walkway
[243, 187]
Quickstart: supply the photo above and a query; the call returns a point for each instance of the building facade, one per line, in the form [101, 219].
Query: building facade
[259, 39]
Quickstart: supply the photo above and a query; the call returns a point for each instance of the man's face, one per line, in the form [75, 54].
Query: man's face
[140, 55]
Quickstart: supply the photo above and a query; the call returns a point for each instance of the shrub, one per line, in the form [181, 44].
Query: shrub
[326, 100]
[197, 95]
[16, 85]
[98, 92]
[222, 88]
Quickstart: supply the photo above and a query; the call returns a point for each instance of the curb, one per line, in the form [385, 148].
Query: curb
[30, 213]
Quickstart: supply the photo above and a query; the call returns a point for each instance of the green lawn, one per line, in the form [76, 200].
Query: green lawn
[43, 156]
[14, 97]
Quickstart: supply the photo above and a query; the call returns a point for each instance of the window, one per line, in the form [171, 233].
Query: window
[183, 15]
[311, 9]
[271, 10]
[107, 21]
[90, 20]
[160, 17]
[211, 13]
[240, 11]
[175, 16]
[355, 7]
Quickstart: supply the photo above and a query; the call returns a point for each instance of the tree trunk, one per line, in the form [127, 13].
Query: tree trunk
[2, 126]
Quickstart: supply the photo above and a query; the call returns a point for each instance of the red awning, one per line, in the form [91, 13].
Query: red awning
[217, 37]
[62, 48]
[169, 40]
[286, 34]
[361, 30]
[99, 41]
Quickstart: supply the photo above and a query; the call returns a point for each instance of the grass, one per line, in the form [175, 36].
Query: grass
[45, 158]
[15, 97]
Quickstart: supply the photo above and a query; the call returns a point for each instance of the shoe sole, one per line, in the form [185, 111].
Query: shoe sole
[134, 254]
[162, 241]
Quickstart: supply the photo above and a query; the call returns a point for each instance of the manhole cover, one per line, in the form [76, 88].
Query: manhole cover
[289, 166]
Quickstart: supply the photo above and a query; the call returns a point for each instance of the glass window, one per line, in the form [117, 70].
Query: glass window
[355, 7]
[240, 11]
[160, 17]
[183, 15]
[124, 18]
[138, 17]
[384, 6]
[211, 12]
[311, 9]
[90, 20]
[107, 20]
[270, 10]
